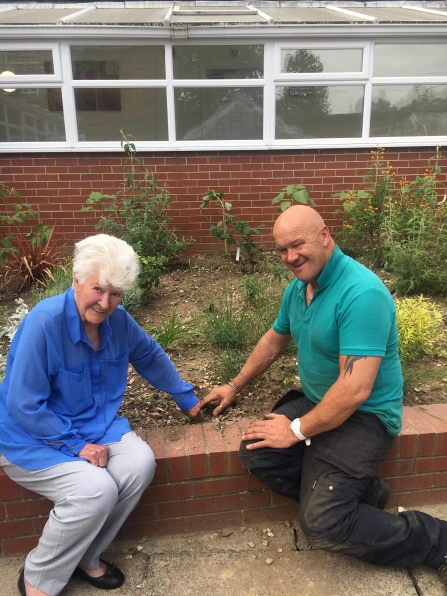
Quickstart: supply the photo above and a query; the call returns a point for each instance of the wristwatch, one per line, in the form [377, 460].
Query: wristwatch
[295, 427]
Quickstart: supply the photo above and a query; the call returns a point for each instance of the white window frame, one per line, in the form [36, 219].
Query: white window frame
[62, 78]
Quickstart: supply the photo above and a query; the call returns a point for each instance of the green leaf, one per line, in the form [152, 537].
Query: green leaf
[285, 205]
[278, 199]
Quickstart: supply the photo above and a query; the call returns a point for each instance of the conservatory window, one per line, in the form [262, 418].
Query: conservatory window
[218, 62]
[320, 60]
[410, 60]
[119, 62]
[313, 111]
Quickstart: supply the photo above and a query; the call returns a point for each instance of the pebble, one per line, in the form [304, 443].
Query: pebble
[288, 524]
[400, 509]
[243, 528]
[128, 556]
[139, 547]
[265, 543]
[251, 544]
[214, 535]
[269, 561]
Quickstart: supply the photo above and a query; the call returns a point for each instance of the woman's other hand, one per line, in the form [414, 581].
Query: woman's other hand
[95, 454]
[195, 413]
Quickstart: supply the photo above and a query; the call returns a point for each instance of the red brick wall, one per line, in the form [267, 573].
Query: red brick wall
[199, 478]
[60, 183]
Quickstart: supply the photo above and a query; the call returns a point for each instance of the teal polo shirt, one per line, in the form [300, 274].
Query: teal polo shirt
[352, 313]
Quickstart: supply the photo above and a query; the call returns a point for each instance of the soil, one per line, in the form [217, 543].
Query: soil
[186, 290]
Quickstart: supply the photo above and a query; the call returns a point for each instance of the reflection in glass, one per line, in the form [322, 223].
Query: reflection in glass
[114, 63]
[218, 62]
[28, 115]
[30, 62]
[317, 112]
[222, 113]
[408, 110]
[101, 113]
[410, 60]
[318, 60]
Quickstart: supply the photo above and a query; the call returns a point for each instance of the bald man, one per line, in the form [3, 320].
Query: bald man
[322, 444]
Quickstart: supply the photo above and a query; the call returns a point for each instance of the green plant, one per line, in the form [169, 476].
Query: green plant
[34, 257]
[16, 214]
[224, 325]
[418, 325]
[233, 232]
[60, 282]
[297, 193]
[138, 213]
[172, 331]
[230, 362]
[252, 288]
[133, 298]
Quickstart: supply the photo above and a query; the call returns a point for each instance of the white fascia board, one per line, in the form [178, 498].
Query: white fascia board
[8, 9]
[366, 32]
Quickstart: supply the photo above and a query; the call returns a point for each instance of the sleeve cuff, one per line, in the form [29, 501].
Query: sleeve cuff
[185, 401]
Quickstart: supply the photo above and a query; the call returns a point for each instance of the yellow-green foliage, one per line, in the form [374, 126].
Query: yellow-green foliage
[418, 325]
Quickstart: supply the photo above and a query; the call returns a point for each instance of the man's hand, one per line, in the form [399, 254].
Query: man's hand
[95, 454]
[274, 432]
[195, 413]
[223, 394]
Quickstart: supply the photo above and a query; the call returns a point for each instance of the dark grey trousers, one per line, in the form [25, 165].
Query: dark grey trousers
[333, 480]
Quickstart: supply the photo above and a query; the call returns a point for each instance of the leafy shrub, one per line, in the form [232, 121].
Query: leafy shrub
[138, 213]
[297, 193]
[418, 325]
[400, 226]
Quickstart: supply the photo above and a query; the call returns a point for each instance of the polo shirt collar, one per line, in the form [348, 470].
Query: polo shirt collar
[334, 267]
[75, 326]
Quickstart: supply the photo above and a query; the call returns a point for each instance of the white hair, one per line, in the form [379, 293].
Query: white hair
[113, 260]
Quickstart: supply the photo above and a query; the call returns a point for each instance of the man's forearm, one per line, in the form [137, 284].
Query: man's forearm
[267, 350]
[338, 403]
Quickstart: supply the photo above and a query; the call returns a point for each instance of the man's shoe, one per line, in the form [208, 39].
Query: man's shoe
[442, 570]
[21, 582]
[112, 578]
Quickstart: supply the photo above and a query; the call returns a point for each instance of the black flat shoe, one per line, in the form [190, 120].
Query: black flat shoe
[112, 578]
[21, 582]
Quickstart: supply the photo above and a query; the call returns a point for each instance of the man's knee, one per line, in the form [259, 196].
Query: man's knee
[325, 513]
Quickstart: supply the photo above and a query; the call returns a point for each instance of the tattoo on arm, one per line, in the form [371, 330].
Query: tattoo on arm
[349, 364]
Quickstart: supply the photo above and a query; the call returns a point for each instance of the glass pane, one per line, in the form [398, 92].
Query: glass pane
[34, 62]
[218, 62]
[101, 113]
[328, 60]
[410, 60]
[408, 110]
[228, 113]
[312, 112]
[31, 115]
[114, 63]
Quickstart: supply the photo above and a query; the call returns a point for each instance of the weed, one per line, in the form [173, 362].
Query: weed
[172, 331]
[230, 362]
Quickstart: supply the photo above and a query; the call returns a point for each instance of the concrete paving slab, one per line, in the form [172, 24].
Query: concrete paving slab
[263, 560]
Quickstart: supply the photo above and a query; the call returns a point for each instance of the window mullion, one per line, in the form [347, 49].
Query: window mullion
[269, 93]
[169, 65]
[68, 101]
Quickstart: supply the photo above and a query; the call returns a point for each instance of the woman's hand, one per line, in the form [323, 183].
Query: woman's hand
[95, 454]
[195, 413]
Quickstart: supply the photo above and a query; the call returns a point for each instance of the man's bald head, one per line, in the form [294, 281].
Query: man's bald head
[298, 216]
[304, 242]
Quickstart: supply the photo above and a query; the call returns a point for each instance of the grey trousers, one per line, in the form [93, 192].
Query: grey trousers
[90, 506]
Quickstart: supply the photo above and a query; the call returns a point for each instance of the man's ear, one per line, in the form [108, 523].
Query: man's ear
[326, 235]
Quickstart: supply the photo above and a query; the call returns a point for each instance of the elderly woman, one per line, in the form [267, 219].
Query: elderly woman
[60, 433]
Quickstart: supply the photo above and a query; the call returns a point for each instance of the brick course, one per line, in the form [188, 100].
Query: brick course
[187, 496]
[60, 183]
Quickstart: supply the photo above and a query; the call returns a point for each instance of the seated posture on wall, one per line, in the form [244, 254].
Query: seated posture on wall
[321, 446]
[60, 434]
